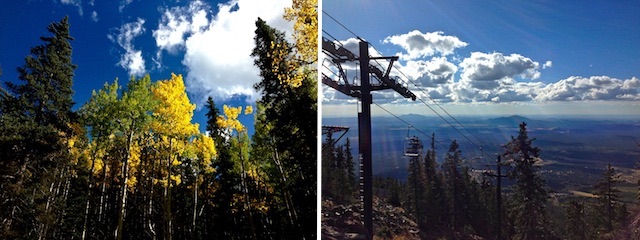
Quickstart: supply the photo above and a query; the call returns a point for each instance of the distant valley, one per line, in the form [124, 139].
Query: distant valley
[575, 150]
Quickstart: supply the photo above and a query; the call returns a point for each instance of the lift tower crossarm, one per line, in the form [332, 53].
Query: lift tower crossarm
[345, 89]
[391, 84]
[342, 54]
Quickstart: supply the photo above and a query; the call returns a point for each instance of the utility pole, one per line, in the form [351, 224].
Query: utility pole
[499, 177]
[339, 55]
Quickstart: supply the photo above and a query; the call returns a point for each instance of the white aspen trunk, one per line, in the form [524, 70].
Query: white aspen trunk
[293, 216]
[123, 198]
[246, 192]
[167, 193]
[195, 207]
[87, 203]
[150, 223]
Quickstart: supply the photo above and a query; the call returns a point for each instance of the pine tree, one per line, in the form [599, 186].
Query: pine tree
[575, 221]
[435, 208]
[36, 124]
[416, 192]
[455, 186]
[225, 175]
[530, 193]
[608, 201]
[291, 111]
[350, 165]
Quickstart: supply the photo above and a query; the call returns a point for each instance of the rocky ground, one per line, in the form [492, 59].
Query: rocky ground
[345, 222]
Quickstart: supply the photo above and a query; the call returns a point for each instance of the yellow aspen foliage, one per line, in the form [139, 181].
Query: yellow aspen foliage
[304, 13]
[176, 162]
[230, 119]
[98, 165]
[134, 162]
[175, 111]
[283, 67]
[177, 179]
[205, 151]
[248, 110]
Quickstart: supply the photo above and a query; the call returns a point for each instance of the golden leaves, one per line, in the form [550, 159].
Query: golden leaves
[305, 15]
[282, 66]
[175, 111]
[248, 110]
[205, 151]
[230, 119]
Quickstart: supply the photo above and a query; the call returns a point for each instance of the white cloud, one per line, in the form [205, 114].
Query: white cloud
[123, 4]
[484, 78]
[592, 88]
[132, 59]
[77, 3]
[217, 49]
[178, 22]
[486, 70]
[94, 16]
[431, 73]
[418, 44]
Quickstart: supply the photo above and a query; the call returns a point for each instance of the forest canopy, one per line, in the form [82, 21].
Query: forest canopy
[130, 163]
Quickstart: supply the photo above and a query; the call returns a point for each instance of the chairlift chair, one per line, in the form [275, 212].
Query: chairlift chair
[412, 147]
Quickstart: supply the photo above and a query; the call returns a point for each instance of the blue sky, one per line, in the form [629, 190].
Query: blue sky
[208, 42]
[498, 57]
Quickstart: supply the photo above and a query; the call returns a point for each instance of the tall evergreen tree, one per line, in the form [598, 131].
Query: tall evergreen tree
[530, 193]
[350, 163]
[416, 193]
[36, 123]
[575, 223]
[455, 186]
[435, 208]
[328, 167]
[228, 179]
[608, 203]
[292, 111]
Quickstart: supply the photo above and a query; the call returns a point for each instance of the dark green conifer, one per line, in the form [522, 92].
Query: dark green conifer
[36, 118]
[530, 192]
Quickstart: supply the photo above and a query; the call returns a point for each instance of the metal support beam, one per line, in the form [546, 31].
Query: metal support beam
[339, 54]
[365, 137]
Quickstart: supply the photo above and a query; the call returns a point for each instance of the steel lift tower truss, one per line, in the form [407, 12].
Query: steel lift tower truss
[339, 55]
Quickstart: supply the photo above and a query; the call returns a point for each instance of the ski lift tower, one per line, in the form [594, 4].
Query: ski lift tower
[339, 55]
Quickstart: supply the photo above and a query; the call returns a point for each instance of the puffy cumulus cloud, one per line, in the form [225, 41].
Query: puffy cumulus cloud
[592, 88]
[77, 3]
[441, 93]
[132, 59]
[217, 47]
[176, 22]
[353, 45]
[431, 73]
[419, 45]
[570, 89]
[495, 66]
